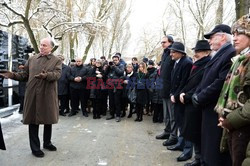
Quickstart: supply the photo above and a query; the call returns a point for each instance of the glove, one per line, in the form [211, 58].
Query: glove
[227, 125]
[7, 74]
[42, 75]
[195, 100]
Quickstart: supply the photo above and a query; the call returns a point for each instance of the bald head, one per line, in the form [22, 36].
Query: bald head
[46, 46]
[78, 61]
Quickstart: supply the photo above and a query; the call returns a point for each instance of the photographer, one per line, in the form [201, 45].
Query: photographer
[114, 72]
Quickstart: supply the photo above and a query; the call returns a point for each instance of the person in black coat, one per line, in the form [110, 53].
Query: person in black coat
[167, 65]
[63, 88]
[179, 76]
[141, 91]
[21, 87]
[2, 144]
[128, 85]
[208, 92]
[191, 129]
[114, 73]
[78, 82]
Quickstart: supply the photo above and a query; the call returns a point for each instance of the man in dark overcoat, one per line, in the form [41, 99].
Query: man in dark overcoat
[179, 76]
[208, 92]
[63, 88]
[191, 129]
[41, 101]
[167, 65]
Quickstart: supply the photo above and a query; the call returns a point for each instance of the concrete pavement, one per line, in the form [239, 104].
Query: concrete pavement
[85, 141]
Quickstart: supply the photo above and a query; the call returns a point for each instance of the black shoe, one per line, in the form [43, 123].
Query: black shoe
[183, 157]
[94, 117]
[175, 148]
[129, 115]
[137, 120]
[85, 114]
[67, 111]
[194, 163]
[72, 113]
[164, 135]
[109, 118]
[117, 119]
[50, 147]
[62, 114]
[170, 142]
[140, 120]
[98, 117]
[38, 153]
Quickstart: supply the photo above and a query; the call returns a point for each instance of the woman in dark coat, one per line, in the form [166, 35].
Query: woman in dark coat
[130, 77]
[191, 129]
[141, 91]
[2, 145]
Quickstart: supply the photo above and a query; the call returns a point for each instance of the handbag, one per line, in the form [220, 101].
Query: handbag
[132, 95]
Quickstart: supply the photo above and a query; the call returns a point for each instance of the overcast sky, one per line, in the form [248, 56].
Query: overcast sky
[146, 15]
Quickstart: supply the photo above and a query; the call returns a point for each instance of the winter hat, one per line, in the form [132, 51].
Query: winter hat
[242, 26]
[201, 45]
[218, 28]
[179, 47]
[151, 62]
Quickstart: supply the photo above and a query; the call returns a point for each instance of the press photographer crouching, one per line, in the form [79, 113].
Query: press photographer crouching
[114, 72]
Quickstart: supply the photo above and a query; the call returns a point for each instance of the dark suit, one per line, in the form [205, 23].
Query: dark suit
[167, 65]
[208, 93]
[179, 78]
[191, 129]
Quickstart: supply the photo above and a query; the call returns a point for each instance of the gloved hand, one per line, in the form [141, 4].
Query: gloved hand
[195, 100]
[41, 75]
[7, 74]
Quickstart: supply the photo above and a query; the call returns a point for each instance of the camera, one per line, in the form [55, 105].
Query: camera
[111, 63]
[29, 49]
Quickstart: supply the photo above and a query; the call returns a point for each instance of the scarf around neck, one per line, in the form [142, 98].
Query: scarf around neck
[227, 101]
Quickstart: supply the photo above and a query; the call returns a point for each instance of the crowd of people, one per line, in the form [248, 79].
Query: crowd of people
[203, 101]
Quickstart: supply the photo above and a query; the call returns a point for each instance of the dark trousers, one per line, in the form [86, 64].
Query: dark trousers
[97, 106]
[21, 100]
[132, 106]
[64, 102]
[79, 95]
[115, 104]
[237, 142]
[34, 139]
[104, 104]
[158, 112]
[139, 111]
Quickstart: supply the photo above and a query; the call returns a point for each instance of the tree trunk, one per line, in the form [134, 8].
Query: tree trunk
[241, 7]
[219, 13]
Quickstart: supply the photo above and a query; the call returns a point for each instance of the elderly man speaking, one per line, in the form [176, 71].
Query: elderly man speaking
[41, 72]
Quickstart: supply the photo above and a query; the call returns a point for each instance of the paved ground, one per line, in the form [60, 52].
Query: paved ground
[85, 141]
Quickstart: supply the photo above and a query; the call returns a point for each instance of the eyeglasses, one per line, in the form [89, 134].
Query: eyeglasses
[163, 42]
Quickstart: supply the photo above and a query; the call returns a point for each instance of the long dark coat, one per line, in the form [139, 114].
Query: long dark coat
[179, 78]
[63, 82]
[191, 129]
[208, 93]
[167, 65]
[2, 145]
[41, 97]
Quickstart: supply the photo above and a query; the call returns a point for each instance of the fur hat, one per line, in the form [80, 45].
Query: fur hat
[242, 26]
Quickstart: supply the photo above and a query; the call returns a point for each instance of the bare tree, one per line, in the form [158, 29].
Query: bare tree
[242, 7]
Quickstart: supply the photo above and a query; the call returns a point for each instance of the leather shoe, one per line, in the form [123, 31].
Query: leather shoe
[117, 119]
[170, 142]
[164, 135]
[72, 113]
[109, 118]
[85, 114]
[50, 147]
[183, 157]
[194, 163]
[175, 148]
[62, 113]
[38, 153]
